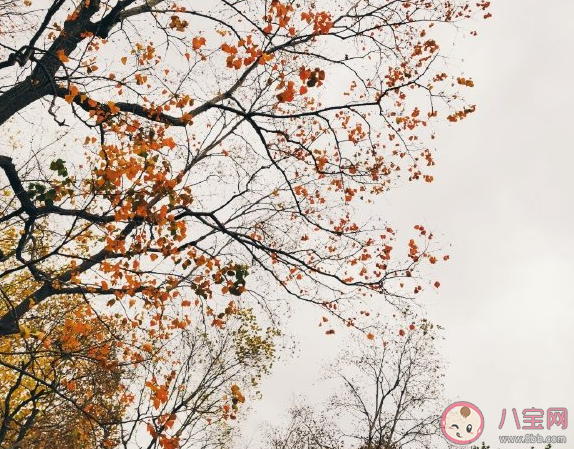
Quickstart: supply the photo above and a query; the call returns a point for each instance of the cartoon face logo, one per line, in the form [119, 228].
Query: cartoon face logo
[462, 423]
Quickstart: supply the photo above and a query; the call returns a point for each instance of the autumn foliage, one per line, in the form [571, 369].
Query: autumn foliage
[170, 168]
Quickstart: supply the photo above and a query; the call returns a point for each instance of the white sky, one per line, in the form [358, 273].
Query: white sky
[502, 197]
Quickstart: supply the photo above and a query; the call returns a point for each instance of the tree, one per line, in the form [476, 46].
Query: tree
[392, 392]
[389, 396]
[59, 389]
[165, 152]
[68, 382]
[202, 385]
[305, 429]
[61, 385]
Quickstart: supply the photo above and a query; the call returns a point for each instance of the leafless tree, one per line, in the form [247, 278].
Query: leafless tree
[306, 429]
[389, 396]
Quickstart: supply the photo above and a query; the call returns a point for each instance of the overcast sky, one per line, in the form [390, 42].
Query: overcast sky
[502, 198]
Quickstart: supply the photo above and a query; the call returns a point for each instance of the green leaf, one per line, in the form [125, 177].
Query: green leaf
[58, 166]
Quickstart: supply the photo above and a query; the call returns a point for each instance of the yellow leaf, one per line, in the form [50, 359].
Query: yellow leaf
[24, 331]
[39, 335]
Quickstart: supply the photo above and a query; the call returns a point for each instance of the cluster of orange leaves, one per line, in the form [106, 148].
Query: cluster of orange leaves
[237, 397]
[322, 22]
[251, 50]
[282, 16]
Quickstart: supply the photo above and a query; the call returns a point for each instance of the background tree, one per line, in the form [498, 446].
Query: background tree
[62, 385]
[66, 380]
[63, 388]
[393, 392]
[167, 152]
[389, 396]
[197, 384]
[305, 429]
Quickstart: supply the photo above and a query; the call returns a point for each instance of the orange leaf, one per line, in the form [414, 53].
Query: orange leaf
[197, 42]
[62, 56]
[113, 108]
